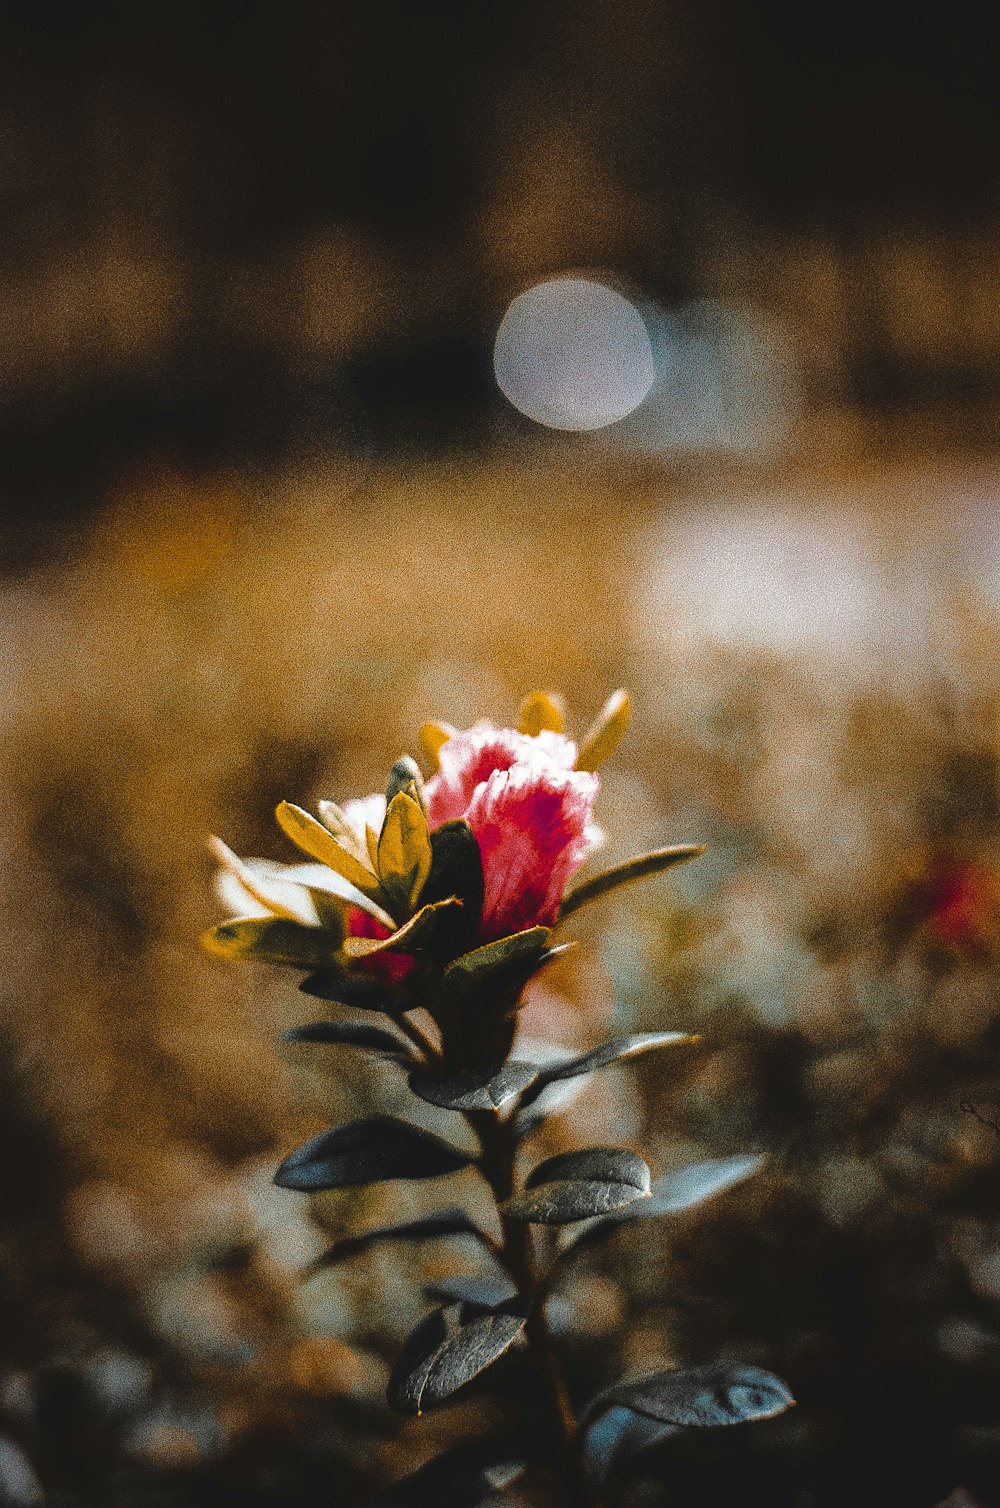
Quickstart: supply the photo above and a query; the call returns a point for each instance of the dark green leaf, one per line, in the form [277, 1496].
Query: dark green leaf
[474, 1091]
[632, 869]
[674, 1193]
[702, 1397]
[483, 964]
[464, 1477]
[456, 869]
[404, 774]
[448, 1222]
[350, 1034]
[355, 991]
[373, 1150]
[577, 1185]
[608, 1052]
[449, 1348]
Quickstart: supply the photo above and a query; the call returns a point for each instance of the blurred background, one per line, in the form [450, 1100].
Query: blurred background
[365, 363]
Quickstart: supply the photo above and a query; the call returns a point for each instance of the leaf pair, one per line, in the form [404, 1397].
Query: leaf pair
[671, 1194]
[577, 1185]
[389, 869]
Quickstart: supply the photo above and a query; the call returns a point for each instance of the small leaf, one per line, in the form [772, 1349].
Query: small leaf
[449, 1348]
[467, 1476]
[612, 1051]
[540, 713]
[350, 1034]
[447, 1222]
[404, 852]
[271, 939]
[577, 1185]
[405, 776]
[631, 870]
[374, 1150]
[673, 1193]
[406, 939]
[432, 736]
[702, 1397]
[607, 732]
[355, 991]
[474, 1091]
[320, 844]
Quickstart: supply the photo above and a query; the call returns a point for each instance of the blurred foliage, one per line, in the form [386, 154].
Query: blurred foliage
[836, 949]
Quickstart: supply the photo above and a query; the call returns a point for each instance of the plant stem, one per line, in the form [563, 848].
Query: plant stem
[498, 1140]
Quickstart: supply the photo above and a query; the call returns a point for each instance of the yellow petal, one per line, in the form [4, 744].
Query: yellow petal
[432, 736]
[607, 732]
[540, 713]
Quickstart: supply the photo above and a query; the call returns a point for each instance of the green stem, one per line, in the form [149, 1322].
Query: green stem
[498, 1140]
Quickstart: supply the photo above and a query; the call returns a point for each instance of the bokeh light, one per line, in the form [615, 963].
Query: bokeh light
[573, 354]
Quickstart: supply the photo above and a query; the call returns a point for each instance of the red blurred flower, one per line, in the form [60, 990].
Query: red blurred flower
[530, 811]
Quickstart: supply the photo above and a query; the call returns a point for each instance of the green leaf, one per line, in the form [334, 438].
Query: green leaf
[578, 1185]
[408, 938]
[373, 1150]
[447, 1222]
[350, 1034]
[404, 853]
[356, 992]
[449, 1348]
[271, 939]
[540, 713]
[343, 829]
[483, 965]
[612, 1051]
[674, 1193]
[405, 776]
[474, 1091]
[702, 1397]
[329, 849]
[607, 731]
[624, 874]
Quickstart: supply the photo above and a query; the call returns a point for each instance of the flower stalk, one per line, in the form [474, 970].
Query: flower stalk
[436, 905]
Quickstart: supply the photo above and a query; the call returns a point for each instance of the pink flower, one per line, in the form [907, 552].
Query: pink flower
[530, 811]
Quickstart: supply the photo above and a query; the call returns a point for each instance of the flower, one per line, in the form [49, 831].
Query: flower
[530, 811]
